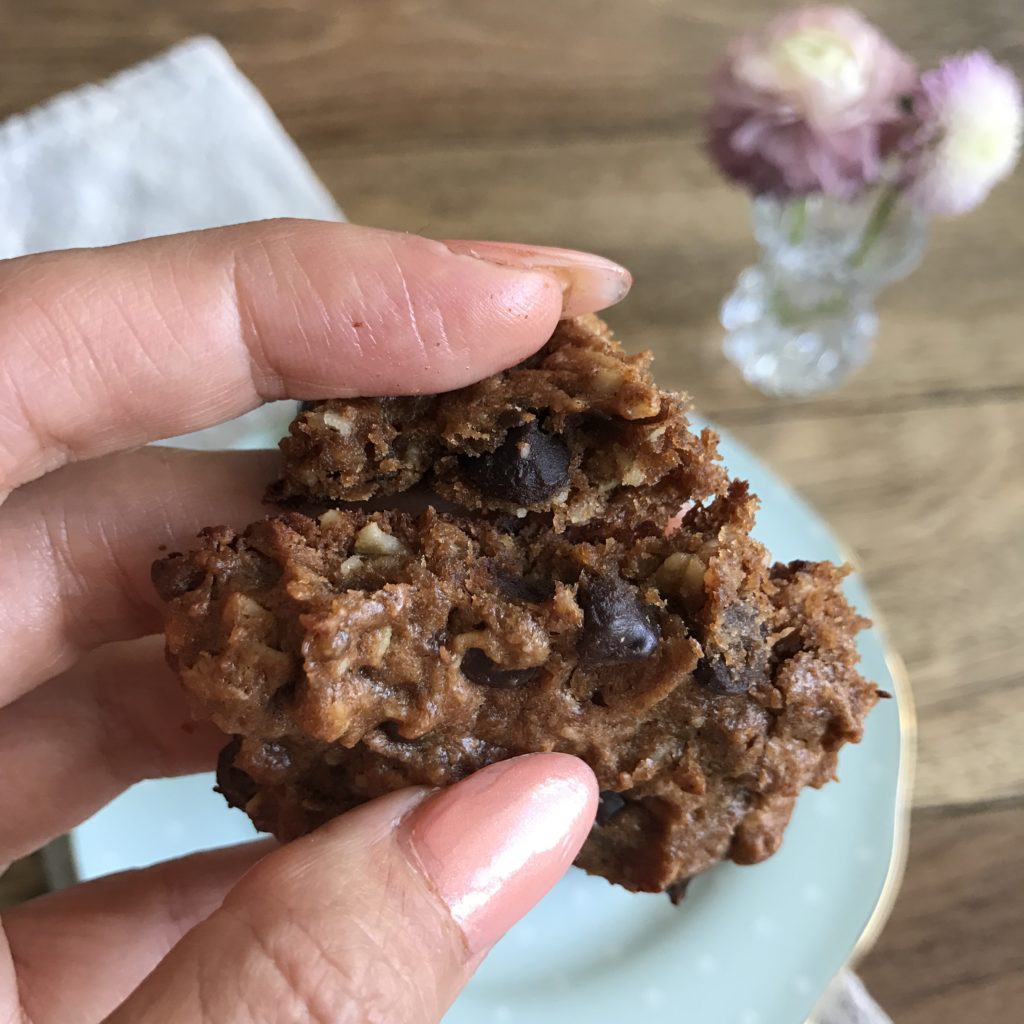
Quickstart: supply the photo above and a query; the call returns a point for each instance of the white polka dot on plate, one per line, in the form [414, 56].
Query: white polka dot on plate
[764, 925]
[501, 1015]
[863, 853]
[802, 984]
[750, 1017]
[706, 964]
[653, 998]
[812, 893]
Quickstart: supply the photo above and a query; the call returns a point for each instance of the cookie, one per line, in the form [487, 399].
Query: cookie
[560, 606]
[578, 433]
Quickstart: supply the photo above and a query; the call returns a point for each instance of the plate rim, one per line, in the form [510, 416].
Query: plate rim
[906, 710]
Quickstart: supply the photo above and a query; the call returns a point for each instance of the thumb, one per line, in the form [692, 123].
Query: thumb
[384, 913]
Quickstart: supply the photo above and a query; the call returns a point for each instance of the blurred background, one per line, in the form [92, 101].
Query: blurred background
[579, 123]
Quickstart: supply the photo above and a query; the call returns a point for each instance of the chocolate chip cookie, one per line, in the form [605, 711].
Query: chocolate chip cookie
[558, 604]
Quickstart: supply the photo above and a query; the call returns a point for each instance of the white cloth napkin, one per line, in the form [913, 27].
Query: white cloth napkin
[181, 142]
[178, 143]
[847, 1001]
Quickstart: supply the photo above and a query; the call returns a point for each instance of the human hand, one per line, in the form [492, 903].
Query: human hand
[382, 914]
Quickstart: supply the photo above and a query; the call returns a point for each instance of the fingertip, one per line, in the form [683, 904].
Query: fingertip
[391, 905]
[492, 845]
[391, 313]
[588, 283]
[495, 317]
[574, 778]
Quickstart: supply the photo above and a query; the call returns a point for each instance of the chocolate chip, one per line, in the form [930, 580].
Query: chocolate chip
[174, 576]
[233, 784]
[722, 679]
[479, 669]
[677, 890]
[608, 805]
[306, 406]
[617, 625]
[736, 657]
[528, 467]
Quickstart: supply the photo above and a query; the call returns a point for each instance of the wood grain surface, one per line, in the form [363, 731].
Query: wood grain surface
[954, 947]
[578, 122]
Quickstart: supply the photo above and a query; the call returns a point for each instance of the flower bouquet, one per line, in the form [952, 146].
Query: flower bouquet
[848, 151]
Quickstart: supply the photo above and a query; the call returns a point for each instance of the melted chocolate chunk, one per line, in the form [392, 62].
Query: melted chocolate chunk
[232, 783]
[723, 679]
[479, 669]
[617, 625]
[528, 467]
[608, 805]
[745, 646]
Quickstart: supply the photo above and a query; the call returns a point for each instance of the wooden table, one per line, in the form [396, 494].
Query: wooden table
[578, 122]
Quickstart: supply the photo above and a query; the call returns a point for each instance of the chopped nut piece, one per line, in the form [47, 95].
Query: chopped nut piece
[681, 575]
[342, 424]
[372, 540]
[332, 517]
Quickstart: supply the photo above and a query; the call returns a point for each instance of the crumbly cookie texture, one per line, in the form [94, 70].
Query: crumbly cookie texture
[353, 653]
[579, 432]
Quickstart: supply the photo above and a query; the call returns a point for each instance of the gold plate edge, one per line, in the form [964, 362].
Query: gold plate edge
[907, 711]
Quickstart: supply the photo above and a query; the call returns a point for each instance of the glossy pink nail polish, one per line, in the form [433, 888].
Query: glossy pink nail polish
[589, 283]
[495, 843]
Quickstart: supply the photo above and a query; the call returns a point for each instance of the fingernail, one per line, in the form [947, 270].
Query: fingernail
[589, 282]
[495, 843]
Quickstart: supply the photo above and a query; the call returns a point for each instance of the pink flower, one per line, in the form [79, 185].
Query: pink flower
[971, 123]
[813, 104]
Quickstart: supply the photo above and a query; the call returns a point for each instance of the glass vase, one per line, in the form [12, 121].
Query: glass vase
[803, 318]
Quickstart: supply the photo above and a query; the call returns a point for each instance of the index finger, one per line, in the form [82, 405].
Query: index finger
[109, 348]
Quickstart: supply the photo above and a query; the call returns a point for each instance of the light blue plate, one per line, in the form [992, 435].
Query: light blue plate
[752, 945]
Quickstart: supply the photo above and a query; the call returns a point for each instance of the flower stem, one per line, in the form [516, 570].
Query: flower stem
[880, 214]
[798, 220]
